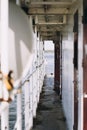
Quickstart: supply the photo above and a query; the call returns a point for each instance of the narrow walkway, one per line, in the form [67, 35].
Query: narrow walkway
[50, 113]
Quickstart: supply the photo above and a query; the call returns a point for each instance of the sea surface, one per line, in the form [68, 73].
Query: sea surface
[49, 69]
[49, 58]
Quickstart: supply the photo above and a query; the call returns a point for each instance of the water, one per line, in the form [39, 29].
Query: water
[49, 56]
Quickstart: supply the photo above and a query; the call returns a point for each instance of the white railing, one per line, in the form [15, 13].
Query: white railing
[31, 89]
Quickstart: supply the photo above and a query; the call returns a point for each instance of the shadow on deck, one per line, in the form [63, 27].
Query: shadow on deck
[50, 114]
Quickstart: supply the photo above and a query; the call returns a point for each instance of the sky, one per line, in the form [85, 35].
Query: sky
[49, 45]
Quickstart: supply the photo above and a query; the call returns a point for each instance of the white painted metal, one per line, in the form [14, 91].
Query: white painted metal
[51, 3]
[37, 92]
[4, 107]
[1, 84]
[26, 94]
[67, 73]
[50, 23]
[19, 112]
[53, 21]
[30, 101]
[20, 53]
[4, 36]
[18, 124]
[80, 69]
[33, 95]
[20, 41]
[4, 62]
[52, 11]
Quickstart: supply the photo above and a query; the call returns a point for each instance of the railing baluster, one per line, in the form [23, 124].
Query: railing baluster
[19, 112]
[32, 88]
[30, 103]
[26, 97]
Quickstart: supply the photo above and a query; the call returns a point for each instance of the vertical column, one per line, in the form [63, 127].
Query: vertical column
[80, 68]
[44, 61]
[38, 67]
[85, 64]
[31, 89]
[39, 64]
[42, 64]
[36, 62]
[30, 101]
[19, 112]
[61, 68]
[75, 62]
[19, 98]
[4, 61]
[26, 91]
[57, 67]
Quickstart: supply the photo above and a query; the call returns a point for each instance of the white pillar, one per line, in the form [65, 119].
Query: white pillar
[4, 36]
[36, 62]
[38, 68]
[26, 94]
[4, 60]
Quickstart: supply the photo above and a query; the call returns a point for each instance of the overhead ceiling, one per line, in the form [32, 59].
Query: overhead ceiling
[50, 15]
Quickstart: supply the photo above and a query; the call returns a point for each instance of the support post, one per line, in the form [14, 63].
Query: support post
[19, 111]
[26, 91]
[36, 62]
[4, 61]
[57, 68]
[61, 68]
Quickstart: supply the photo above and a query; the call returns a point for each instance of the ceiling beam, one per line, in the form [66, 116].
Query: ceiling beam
[45, 34]
[50, 3]
[51, 11]
[50, 23]
[51, 30]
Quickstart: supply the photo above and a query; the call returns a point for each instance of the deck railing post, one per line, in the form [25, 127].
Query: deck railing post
[19, 111]
[31, 101]
[39, 61]
[38, 68]
[4, 61]
[26, 95]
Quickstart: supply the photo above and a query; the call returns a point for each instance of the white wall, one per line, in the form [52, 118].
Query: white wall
[67, 73]
[21, 41]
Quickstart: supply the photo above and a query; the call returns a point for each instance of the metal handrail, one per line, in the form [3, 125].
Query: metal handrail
[26, 79]
[28, 76]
